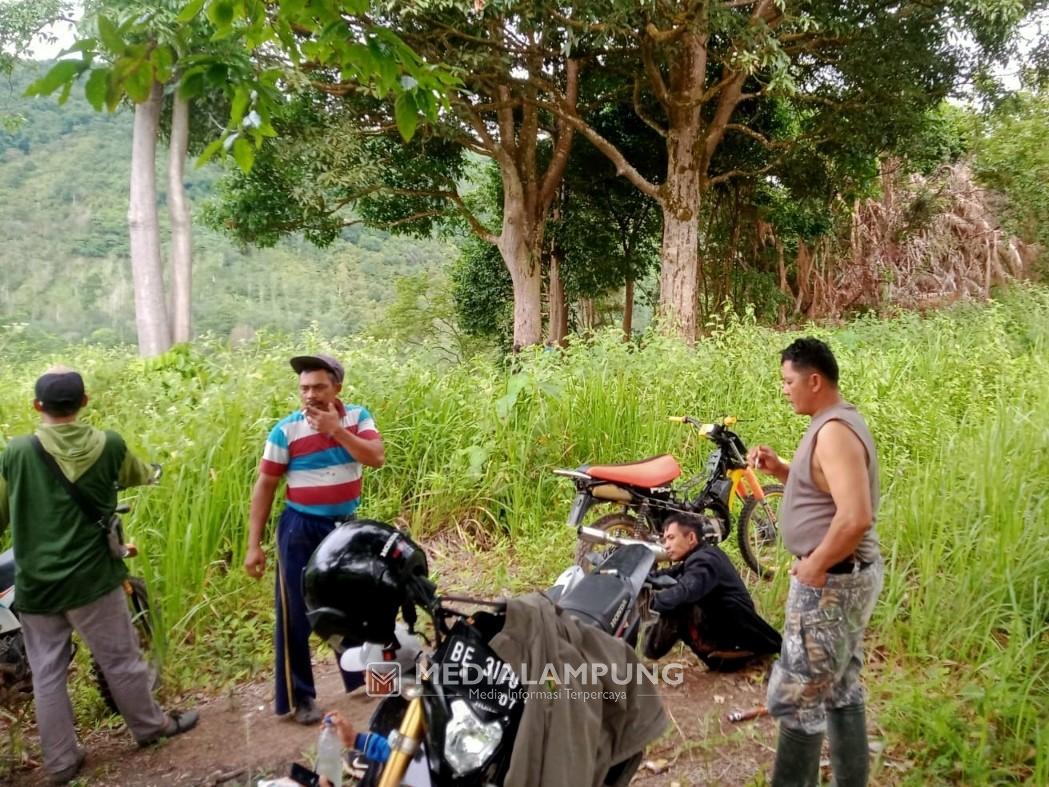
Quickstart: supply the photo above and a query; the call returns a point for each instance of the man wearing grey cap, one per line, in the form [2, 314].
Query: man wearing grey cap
[320, 450]
[66, 578]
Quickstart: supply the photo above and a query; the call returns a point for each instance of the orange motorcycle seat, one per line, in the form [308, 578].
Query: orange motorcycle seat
[648, 473]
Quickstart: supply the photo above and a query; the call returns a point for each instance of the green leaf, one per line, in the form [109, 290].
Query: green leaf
[218, 75]
[139, 83]
[113, 92]
[208, 152]
[406, 116]
[240, 103]
[61, 72]
[83, 45]
[189, 13]
[163, 58]
[63, 97]
[192, 85]
[244, 154]
[110, 35]
[95, 89]
[220, 13]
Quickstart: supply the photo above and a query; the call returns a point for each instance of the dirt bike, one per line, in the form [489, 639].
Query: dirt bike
[644, 493]
[15, 673]
[445, 733]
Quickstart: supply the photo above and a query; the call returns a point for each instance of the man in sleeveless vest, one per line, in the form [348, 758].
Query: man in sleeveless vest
[827, 522]
[65, 577]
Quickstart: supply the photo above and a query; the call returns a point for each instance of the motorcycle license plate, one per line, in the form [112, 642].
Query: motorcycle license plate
[469, 669]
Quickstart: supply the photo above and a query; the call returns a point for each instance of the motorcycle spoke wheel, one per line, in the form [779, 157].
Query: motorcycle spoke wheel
[588, 555]
[138, 606]
[758, 534]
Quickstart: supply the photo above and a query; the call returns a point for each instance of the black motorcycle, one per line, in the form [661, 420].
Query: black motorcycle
[444, 730]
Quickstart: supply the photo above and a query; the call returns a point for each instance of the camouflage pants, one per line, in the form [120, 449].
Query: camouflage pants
[819, 665]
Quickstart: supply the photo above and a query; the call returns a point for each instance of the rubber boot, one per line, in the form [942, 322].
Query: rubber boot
[849, 758]
[797, 758]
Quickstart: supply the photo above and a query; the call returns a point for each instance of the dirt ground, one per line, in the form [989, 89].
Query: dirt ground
[239, 741]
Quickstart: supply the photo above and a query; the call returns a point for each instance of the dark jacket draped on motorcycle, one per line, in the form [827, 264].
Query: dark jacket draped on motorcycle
[566, 738]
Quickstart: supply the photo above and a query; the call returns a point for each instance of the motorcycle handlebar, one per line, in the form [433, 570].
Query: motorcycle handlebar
[728, 421]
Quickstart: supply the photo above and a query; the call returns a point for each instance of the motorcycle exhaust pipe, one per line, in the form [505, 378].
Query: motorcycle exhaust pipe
[594, 535]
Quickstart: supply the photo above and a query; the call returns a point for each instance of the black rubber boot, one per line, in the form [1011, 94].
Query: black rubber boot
[847, 733]
[797, 758]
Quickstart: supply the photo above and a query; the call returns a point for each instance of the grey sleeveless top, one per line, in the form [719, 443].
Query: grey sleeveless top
[807, 510]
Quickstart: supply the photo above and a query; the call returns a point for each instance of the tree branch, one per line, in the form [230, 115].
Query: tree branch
[452, 196]
[623, 167]
[727, 104]
[655, 78]
[559, 160]
[765, 141]
[743, 173]
[648, 121]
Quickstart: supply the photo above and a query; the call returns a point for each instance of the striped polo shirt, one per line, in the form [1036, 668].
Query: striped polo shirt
[323, 479]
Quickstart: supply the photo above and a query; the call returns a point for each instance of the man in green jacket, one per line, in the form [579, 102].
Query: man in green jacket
[65, 577]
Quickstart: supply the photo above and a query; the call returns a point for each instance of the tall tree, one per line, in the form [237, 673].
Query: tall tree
[495, 113]
[860, 73]
[194, 47]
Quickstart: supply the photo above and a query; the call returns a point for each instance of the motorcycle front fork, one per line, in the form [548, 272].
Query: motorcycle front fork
[404, 743]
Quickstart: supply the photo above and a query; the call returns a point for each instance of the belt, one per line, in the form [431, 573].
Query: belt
[848, 566]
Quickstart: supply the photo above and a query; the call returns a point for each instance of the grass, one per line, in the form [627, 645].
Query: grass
[958, 403]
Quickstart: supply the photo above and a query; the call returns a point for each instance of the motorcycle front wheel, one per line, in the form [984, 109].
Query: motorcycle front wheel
[138, 606]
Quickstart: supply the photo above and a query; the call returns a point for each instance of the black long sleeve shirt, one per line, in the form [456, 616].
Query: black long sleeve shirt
[706, 577]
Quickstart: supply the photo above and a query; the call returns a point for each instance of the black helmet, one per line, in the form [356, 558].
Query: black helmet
[362, 573]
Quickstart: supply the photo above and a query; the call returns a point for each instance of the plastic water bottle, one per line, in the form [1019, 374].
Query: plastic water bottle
[329, 753]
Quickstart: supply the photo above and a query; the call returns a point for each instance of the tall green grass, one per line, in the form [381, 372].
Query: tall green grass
[958, 403]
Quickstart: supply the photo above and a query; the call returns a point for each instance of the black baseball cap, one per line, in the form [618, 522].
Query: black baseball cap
[311, 363]
[60, 390]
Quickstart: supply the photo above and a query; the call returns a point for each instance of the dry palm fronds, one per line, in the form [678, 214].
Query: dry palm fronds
[926, 241]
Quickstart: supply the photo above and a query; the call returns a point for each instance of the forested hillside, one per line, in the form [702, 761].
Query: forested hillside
[64, 268]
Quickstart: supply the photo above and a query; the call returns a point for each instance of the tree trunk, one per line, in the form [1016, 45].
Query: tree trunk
[679, 272]
[524, 270]
[557, 330]
[151, 318]
[181, 227]
[588, 315]
[628, 310]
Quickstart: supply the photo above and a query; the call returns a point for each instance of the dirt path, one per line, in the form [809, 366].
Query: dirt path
[239, 741]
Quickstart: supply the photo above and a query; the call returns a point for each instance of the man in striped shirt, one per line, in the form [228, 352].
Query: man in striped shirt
[320, 450]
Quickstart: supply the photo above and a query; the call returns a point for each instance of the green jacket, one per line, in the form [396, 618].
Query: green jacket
[62, 559]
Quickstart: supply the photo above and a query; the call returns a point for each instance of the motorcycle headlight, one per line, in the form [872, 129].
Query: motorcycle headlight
[468, 741]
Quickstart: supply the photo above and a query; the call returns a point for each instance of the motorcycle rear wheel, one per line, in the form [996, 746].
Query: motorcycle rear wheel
[138, 606]
[587, 555]
[16, 679]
